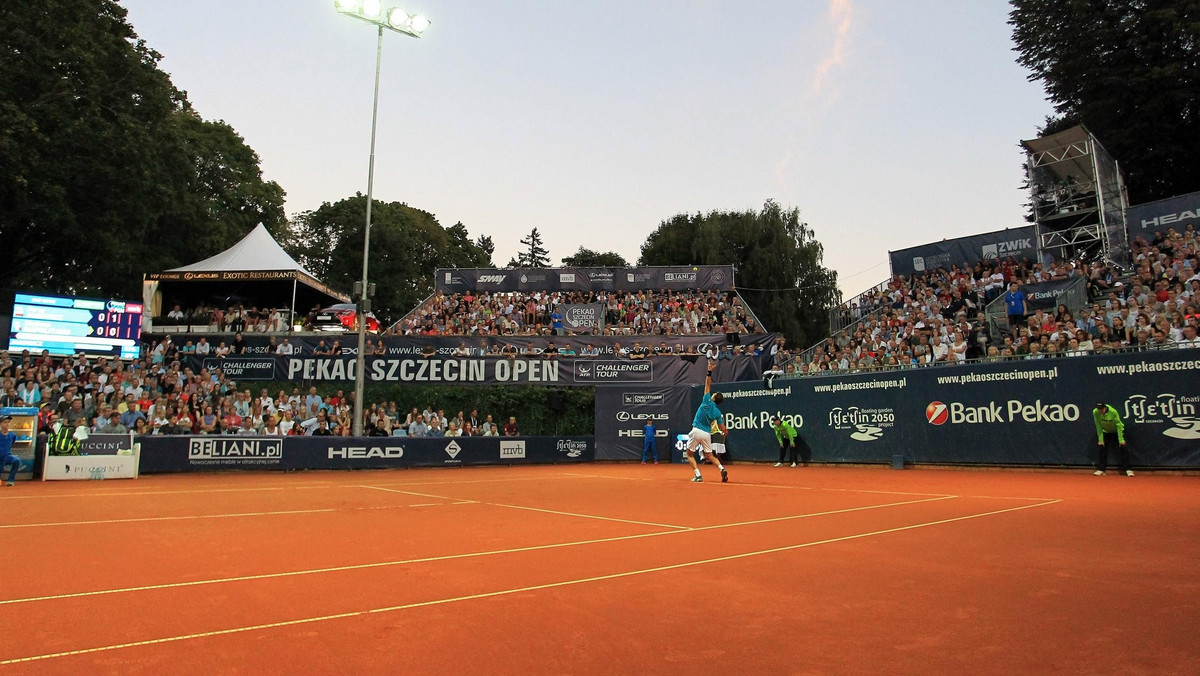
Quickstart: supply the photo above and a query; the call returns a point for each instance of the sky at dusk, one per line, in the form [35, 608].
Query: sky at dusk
[888, 124]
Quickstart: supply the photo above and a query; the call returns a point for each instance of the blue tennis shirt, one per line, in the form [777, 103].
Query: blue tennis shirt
[707, 414]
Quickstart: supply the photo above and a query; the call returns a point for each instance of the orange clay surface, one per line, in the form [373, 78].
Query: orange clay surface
[603, 569]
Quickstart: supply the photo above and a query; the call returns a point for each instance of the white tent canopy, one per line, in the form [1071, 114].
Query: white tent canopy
[256, 251]
[255, 267]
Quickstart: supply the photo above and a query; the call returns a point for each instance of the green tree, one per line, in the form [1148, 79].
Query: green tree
[407, 247]
[105, 170]
[586, 258]
[535, 255]
[777, 258]
[1130, 71]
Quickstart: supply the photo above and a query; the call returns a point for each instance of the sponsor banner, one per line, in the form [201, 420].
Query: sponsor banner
[235, 451]
[1045, 295]
[243, 368]
[566, 372]
[1028, 412]
[1160, 216]
[702, 277]
[90, 467]
[582, 317]
[105, 444]
[475, 346]
[1018, 243]
[622, 415]
[204, 453]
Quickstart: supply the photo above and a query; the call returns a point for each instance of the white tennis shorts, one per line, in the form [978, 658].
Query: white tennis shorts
[701, 436]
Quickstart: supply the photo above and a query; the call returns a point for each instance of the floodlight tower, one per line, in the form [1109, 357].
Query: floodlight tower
[394, 19]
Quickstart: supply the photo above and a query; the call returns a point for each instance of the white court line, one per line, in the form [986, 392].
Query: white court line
[507, 592]
[448, 557]
[533, 509]
[605, 476]
[168, 518]
[251, 489]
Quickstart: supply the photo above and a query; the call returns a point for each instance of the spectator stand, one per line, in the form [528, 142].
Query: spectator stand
[256, 272]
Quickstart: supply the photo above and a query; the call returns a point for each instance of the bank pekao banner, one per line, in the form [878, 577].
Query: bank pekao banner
[1028, 412]
[1044, 295]
[700, 277]
[1018, 243]
[566, 372]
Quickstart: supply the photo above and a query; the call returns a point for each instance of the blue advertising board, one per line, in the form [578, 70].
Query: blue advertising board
[1025, 412]
[208, 453]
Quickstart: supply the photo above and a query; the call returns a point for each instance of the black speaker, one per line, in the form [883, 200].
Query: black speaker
[557, 401]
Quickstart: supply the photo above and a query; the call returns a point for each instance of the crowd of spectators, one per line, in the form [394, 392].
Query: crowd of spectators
[936, 317]
[230, 319]
[108, 396]
[626, 313]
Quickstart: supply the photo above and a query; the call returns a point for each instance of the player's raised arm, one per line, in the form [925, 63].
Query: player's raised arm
[708, 379]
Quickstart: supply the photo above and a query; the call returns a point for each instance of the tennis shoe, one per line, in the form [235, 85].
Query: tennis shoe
[793, 464]
[10, 483]
[1128, 472]
[779, 464]
[1098, 472]
[697, 479]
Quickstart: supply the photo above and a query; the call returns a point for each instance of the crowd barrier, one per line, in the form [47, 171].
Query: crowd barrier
[1031, 412]
[211, 453]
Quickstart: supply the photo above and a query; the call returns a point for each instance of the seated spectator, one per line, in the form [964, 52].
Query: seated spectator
[510, 427]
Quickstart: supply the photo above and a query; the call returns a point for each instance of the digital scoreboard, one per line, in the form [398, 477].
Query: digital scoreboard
[65, 325]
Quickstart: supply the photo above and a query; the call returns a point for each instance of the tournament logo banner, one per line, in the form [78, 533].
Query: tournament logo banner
[582, 317]
[698, 277]
[566, 372]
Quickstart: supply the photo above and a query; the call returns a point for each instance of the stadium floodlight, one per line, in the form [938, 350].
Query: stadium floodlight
[399, 21]
[418, 23]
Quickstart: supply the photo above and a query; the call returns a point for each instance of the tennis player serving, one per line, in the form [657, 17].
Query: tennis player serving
[700, 438]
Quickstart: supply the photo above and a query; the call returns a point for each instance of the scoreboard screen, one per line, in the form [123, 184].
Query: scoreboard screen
[65, 325]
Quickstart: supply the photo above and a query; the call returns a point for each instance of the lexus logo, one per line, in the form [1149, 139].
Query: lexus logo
[626, 416]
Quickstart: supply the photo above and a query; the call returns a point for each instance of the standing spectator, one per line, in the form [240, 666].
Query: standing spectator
[785, 434]
[1014, 303]
[1109, 429]
[649, 444]
[7, 457]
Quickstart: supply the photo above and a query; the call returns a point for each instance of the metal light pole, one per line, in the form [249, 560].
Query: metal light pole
[399, 21]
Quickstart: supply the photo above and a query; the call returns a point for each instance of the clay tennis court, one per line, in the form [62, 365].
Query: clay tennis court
[602, 569]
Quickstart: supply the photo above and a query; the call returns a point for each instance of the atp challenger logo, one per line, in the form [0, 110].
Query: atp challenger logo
[1181, 411]
[868, 423]
[956, 413]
